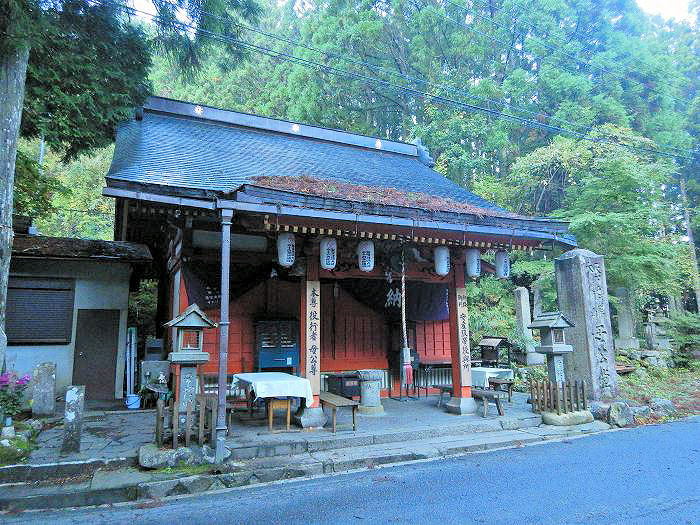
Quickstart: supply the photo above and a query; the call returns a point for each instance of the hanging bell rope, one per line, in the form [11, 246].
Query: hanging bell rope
[406, 368]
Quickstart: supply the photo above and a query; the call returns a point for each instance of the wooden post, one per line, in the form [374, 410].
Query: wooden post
[188, 423]
[459, 333]
[532, 397]
[176, 420]
[578, 398]
[585, 395]
[159, 422]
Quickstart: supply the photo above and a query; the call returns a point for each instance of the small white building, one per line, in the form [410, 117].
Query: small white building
[67, 303]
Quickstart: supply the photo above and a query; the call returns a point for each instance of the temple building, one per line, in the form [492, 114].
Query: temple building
[294, 239]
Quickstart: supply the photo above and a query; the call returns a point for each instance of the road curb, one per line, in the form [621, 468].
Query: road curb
[199, 484]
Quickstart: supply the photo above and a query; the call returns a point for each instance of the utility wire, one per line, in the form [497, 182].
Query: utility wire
[585, 128]
[357, 76]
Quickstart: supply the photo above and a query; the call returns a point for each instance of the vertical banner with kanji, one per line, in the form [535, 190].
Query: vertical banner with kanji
[465, 364]
[313, 335]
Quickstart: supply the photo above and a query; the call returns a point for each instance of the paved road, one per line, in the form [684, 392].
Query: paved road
[644, 475]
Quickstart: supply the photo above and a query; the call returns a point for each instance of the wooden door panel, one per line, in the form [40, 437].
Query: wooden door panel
[95, 360]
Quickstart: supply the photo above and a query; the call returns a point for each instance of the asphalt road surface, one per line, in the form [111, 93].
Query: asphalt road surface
[643, 475]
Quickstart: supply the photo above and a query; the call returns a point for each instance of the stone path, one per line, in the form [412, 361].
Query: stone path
[105, 435]
[108, 435]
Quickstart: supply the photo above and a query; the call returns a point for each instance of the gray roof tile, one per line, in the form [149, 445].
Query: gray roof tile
[186, 152]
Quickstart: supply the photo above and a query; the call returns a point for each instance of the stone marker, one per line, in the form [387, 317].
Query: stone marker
[626, 338]
[523, 320]
[582, 292]
[73, 419]
[44, 390]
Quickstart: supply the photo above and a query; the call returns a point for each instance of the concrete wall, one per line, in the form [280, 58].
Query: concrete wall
[98, 285]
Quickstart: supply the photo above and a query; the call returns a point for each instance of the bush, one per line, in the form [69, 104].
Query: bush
[684, 329]
[12, 388]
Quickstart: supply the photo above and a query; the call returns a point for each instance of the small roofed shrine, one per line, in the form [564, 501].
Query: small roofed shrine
[315, 251]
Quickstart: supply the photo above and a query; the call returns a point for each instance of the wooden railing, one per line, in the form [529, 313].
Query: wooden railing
[548, 396]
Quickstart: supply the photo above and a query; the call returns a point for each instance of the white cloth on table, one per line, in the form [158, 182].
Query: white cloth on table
[481, 375]
[275, 384]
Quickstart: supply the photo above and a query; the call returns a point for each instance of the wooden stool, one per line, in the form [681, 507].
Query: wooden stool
[272, 404]
[335, 401]
[489, 395]
[497, 384]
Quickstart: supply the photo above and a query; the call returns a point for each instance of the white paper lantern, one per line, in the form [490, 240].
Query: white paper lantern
[441, 255]
[329, 253]
[473, 262]
[365, 256]
[286, 251]
[502, 264]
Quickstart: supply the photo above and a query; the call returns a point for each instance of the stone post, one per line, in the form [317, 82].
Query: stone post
[3, 348]
[626, 338]
[73, 419]
[582, 292]
[44, 390]
[522, 321]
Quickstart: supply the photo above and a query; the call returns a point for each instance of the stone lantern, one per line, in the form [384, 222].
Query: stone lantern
[553, 342]
[189, 326]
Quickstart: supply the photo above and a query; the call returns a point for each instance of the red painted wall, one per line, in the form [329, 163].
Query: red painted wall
[353, 336]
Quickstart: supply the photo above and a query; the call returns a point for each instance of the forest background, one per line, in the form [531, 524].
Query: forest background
[586, 111]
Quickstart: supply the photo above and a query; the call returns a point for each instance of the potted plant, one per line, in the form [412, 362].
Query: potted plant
[12, 389]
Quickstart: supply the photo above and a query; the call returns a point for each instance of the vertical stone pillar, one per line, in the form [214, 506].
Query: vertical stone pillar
[44, 390]
[224, 321]
[626, 338]
[310, 338]
[522, 321]
[461, 401]
[73, 419]
[582, 292]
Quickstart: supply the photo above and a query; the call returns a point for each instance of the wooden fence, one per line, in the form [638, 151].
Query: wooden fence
[199, 418]
[548, 396]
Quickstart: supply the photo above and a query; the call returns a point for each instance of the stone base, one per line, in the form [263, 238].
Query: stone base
[310, 417]
[564, 420]
[371, 411]
[626, 343]
[461, 405]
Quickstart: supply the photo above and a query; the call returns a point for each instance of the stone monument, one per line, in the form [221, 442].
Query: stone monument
[522, 321]
[582, 293]
[626, 339]
[370, 388]
[73, 419]
[44, 390]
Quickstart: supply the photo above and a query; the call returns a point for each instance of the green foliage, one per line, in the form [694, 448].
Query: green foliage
[491, 305]
[35, 191]
[12, 390]
[142, 310]
[684, 330]
[81, 212]
[85, 76]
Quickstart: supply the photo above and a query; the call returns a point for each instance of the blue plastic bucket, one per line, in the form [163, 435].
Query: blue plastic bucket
[133, 401]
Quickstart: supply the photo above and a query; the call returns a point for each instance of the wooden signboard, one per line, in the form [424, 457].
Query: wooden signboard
[465, 372]
[313, 335]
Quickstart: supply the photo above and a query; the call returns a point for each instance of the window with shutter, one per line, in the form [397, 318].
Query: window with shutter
[39, 310]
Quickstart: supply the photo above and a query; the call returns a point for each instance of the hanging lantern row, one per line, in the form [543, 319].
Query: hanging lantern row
[286, 254]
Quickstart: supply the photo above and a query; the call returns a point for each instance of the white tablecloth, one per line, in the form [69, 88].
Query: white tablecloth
[481, 374]
[275, 384]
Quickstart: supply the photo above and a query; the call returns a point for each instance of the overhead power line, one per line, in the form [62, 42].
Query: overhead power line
[357, 76]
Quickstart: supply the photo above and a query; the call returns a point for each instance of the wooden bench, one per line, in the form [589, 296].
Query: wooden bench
[494, 396]
[498, 384]
[335, 402]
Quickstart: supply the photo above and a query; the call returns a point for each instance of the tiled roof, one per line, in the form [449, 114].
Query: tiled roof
[186, 151]
[68, 248]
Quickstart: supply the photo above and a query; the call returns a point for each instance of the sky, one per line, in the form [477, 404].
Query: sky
[677, 9]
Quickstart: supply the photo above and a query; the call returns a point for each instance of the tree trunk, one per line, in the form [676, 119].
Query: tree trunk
[13, 72]
[691, 241]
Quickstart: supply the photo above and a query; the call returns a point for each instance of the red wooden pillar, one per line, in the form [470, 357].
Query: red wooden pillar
[461, 401]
